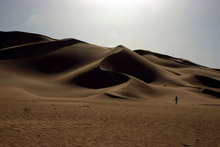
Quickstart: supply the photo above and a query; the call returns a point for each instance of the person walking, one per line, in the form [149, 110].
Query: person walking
[176, 99]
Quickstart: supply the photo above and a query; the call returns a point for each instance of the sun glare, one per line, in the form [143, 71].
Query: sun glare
[150, 4]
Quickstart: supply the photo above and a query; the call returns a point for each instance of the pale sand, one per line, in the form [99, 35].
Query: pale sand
[71, 93]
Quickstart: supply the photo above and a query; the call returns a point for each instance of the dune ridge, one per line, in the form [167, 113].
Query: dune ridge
[48, 67]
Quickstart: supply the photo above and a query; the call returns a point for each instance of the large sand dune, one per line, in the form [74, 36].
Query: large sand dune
[45, 67]
[38, 71]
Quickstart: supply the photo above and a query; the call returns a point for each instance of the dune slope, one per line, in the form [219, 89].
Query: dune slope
[46, 67]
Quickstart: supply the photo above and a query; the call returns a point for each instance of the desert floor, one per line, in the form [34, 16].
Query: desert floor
[63, 122]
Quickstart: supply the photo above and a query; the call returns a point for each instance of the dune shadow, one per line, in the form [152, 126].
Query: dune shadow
[125, 62]
[97, 78]
[115, 96]
[207, 81]
[217, 69]
[54, 64]
[173, 72]
[212, 92]
[17, 38]
[35, 49]
[177, 60]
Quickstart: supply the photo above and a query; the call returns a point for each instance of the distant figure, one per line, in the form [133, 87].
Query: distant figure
[176, 99]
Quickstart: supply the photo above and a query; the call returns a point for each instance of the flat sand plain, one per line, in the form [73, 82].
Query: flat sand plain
[67, 122]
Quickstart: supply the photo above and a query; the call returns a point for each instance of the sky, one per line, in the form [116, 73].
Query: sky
[188, 29]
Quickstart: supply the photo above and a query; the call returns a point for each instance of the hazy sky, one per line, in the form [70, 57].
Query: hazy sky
[187, 29]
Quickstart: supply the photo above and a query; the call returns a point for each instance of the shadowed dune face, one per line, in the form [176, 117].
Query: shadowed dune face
[36, 65]
[212, 92]
[169, 61]
[55, 64]
[21, 38]
[143, 52]
[98, 78]
[207, 81]
[26, 51]
[115, 96]
[126, 62]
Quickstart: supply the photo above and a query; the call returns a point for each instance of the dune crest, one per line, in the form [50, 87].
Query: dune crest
[41, 66]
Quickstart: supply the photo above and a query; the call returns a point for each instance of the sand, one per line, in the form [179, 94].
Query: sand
[72, 93]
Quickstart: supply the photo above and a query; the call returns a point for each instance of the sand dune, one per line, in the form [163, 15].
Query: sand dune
[35, 62]
[36, 67]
